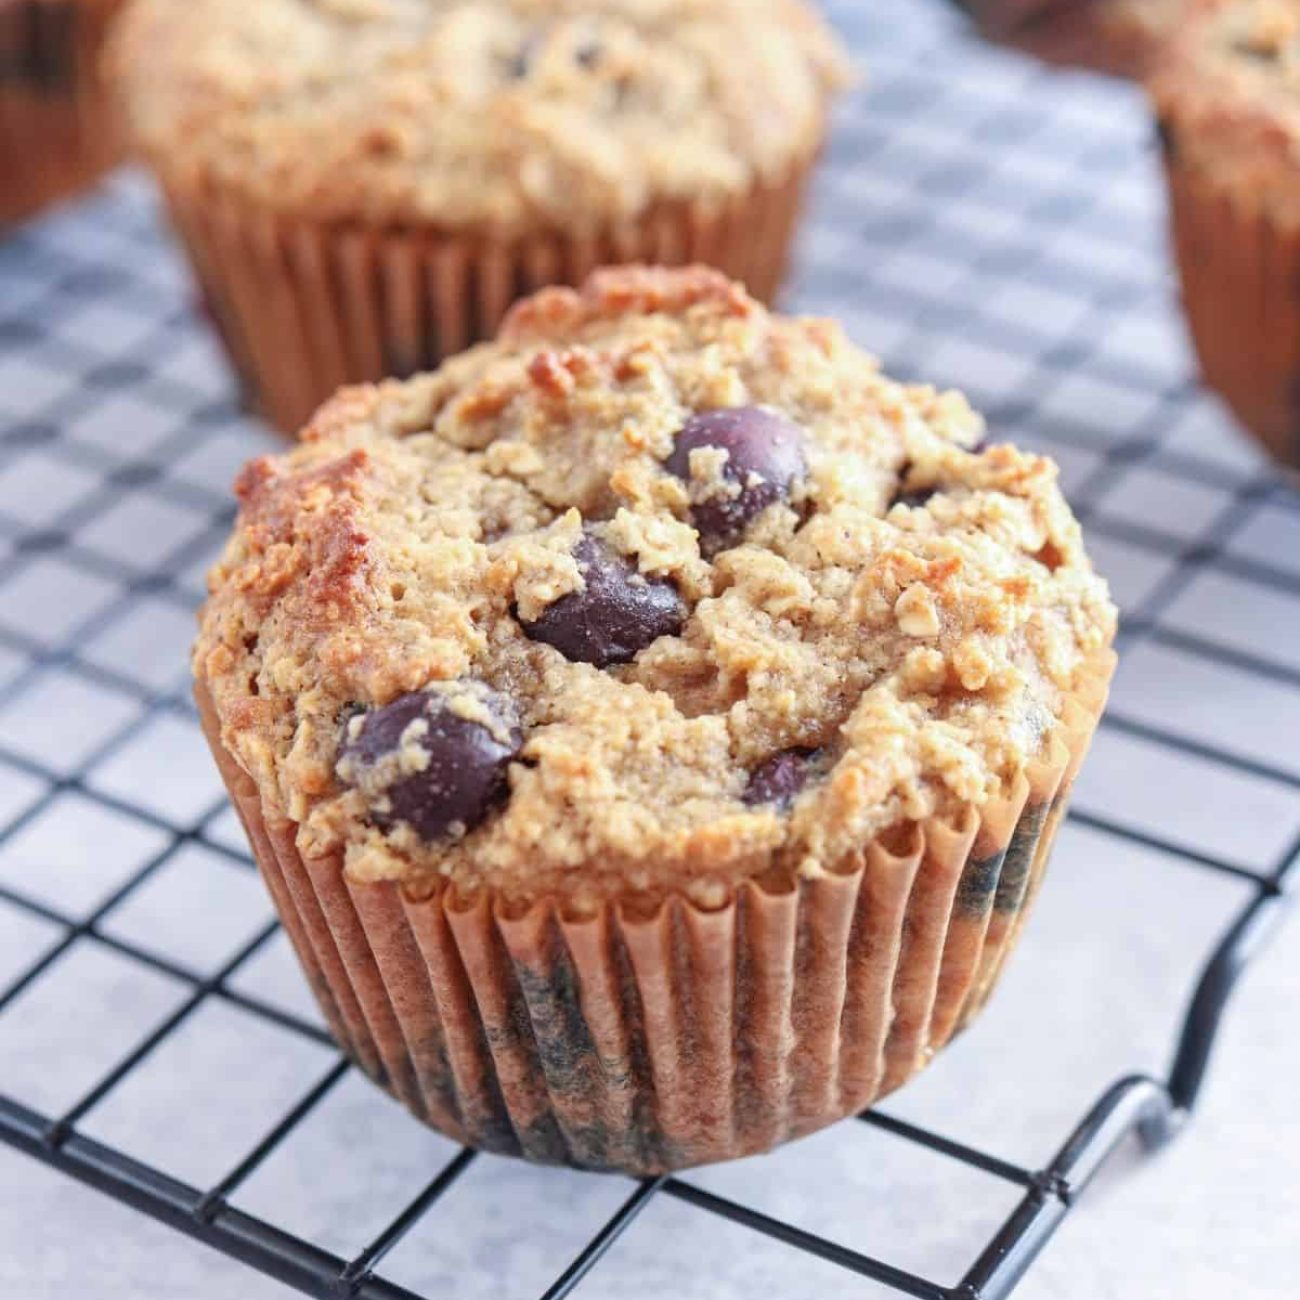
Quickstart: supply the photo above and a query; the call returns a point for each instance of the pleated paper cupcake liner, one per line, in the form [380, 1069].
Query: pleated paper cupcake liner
[56, 131]
[1240, 268]
[644, 1043]
[304, 308]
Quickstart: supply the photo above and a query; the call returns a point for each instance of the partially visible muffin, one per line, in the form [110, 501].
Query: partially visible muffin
[1118, 36]
[653, 724]
[56, 130]
[1227, 96]
[366, 185]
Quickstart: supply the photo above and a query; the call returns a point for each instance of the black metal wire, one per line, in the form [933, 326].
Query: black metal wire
[1153, 1109]
[596, 1248]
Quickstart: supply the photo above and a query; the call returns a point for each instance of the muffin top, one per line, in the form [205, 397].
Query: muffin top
[1227, 92]
[657, 590]
[499, 113]
[1112, 33]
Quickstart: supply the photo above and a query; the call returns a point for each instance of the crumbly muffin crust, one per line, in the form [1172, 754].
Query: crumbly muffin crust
[909, 611]
[1226, 96]
[497, 113]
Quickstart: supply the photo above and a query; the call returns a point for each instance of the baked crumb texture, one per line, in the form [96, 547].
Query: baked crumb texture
[1229, 118]
[56, 131]
[365, 186]
[774, 680]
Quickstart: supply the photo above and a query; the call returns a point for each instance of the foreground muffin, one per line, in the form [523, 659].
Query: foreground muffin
[366, 185]
[56, 131]
[652, 726]
[1227, 100]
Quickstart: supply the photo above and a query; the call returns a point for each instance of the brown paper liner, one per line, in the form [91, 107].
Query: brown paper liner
[1240, 271]
[648, 1043]
[304, 308]
[56, 128]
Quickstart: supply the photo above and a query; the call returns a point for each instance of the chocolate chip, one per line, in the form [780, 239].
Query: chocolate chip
[764, 458]
[522, 64]
[466, 769]
[915, 499]
[780, 778]
[615, 616]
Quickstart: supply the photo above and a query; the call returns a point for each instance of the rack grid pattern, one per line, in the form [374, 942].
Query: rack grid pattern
[980, 221]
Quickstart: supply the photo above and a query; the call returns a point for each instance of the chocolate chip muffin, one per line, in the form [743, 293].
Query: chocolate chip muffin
[56, 131]
[652, 725]
[1226, 97]
[366, 185]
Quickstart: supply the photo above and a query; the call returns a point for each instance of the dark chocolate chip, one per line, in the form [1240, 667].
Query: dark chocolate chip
[764, 458]
[780, 778]
[522, 64]
[914, 499]
[615, 616]
[466, 770]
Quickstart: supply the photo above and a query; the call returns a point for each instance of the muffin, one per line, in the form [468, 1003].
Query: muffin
[652, 725]
[1226, 98]
[366, 185]
[56, 133]
[1117, 36]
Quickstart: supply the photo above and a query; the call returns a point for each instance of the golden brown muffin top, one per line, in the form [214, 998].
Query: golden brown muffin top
[466, 113]
[1228, 96]
[664, 590]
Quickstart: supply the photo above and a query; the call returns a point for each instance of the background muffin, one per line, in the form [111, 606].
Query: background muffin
[1226, 96]
[1119, 36]
[366, 185]
[652, 725]
[56, 132]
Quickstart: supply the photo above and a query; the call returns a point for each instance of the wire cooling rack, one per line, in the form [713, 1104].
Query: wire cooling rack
[979, 221]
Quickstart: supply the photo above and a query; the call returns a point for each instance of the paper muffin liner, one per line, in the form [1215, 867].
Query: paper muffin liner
[56, 130]
[304, 308]
[639, 1042]
[1240, 268]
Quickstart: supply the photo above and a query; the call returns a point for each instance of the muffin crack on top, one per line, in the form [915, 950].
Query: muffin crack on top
[496, 113]
[658, 591]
